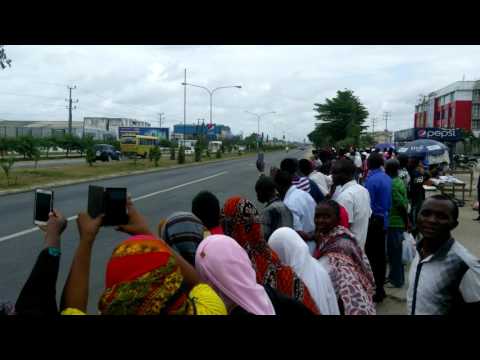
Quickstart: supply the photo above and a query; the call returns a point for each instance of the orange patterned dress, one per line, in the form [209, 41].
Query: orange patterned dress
[241, 221]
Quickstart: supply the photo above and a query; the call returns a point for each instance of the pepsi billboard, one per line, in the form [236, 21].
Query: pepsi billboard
[440, 134]
[160, 133]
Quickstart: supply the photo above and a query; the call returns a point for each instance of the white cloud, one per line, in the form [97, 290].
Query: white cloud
[140, 81]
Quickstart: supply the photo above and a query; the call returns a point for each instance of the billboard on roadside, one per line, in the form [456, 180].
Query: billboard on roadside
[160, 133]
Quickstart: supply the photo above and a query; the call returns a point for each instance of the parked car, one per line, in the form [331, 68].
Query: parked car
[105, 152]
[189, 151]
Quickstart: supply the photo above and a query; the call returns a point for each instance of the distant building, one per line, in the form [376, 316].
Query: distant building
[192, 131]
[99, 127]
[454, 106]
[38, 129]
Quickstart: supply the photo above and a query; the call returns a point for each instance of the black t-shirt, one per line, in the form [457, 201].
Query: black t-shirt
[416, 191]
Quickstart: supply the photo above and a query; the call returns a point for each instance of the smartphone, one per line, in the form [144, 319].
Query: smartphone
[43, 206]
[96, 200]
[115, 207]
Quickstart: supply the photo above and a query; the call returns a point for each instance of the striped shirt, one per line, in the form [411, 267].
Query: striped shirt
[301, 183]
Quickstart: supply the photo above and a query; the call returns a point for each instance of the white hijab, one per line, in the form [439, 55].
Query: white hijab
[294, 252]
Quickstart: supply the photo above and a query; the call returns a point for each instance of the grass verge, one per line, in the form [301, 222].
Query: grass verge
[24, 178]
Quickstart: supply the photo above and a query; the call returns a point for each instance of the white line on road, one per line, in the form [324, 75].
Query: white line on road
[28, 231]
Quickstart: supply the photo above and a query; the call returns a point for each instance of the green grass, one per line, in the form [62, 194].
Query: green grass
[21, 178]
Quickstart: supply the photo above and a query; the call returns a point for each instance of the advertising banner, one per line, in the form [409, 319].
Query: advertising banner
[160, 133]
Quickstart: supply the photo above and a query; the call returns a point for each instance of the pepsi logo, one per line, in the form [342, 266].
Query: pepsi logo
[422, 133]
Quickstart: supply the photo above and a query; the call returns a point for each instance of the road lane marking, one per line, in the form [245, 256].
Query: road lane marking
[179, 186]
[28, 231]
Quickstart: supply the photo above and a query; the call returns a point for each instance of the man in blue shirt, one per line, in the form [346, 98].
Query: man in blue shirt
[379, 186]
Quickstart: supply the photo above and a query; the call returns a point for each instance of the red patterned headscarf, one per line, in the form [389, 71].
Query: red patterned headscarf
[143, 278]
[241, 221]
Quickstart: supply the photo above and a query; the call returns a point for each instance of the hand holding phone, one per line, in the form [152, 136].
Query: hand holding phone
[43, 206]
[111, 202]
[88, 227]
[137, 225]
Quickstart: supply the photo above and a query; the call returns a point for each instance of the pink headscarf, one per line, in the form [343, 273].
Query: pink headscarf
[224, 264]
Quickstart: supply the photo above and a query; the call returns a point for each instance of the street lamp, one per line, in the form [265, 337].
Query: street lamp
[210, 92]
[258, 119]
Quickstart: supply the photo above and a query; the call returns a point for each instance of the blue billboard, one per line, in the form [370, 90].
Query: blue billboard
[160, 133]
[440, 134]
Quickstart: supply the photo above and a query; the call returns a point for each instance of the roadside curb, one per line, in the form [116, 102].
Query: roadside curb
[117, 175]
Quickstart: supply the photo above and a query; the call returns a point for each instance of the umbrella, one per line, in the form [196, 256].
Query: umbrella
[423, 148]
[384, 146]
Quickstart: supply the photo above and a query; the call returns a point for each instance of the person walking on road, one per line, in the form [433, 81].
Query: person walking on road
[444, 276]
[379, 186]
[416, 192]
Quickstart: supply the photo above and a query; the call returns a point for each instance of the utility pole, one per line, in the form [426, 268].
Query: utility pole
[160, 119]
[373, 125]
[185, 107]
[70, 102]
[386, 115]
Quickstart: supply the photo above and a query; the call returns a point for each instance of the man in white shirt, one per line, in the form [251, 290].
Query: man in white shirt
[323, 181]
[300, 203]
[353, 197]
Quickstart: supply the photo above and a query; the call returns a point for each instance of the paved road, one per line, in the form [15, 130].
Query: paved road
[160, 194]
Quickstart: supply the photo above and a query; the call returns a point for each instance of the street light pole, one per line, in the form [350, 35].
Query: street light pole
[258, 120]
[210, 93]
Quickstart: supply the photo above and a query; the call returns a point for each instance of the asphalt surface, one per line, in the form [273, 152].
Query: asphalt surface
[161, 193]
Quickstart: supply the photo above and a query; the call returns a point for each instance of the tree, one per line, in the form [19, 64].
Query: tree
[6, 145]
[172, 153]
[181, 155]
[6, 165]
[165, 143]
[28, 146]
[198, 152]
[340, 117]
[4, 61]
[154, 155]
[218, 154]
[88, 145]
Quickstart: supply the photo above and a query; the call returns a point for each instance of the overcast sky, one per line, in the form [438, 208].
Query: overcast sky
[141, 81]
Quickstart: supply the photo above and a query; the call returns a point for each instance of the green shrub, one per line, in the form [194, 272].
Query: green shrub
[154, 155]
[198, 153]
[218, 155]
[172, 153]
[181, 155]
[6, 165]
[90, 156]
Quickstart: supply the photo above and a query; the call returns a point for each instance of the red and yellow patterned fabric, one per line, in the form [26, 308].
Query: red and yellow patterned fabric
[241, 222]
[143, 278]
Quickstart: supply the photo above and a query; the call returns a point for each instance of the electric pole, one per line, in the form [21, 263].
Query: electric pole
[160, 119]
[386, 115]
[70, 102]
[373, 125]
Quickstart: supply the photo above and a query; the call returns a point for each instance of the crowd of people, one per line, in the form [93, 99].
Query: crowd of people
[319, 245]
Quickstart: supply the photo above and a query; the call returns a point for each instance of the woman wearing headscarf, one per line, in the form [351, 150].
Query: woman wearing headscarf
[144, 276]
[183, 231]
[222, 263]
[294, 252]
[346, 263]
[241, 222]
